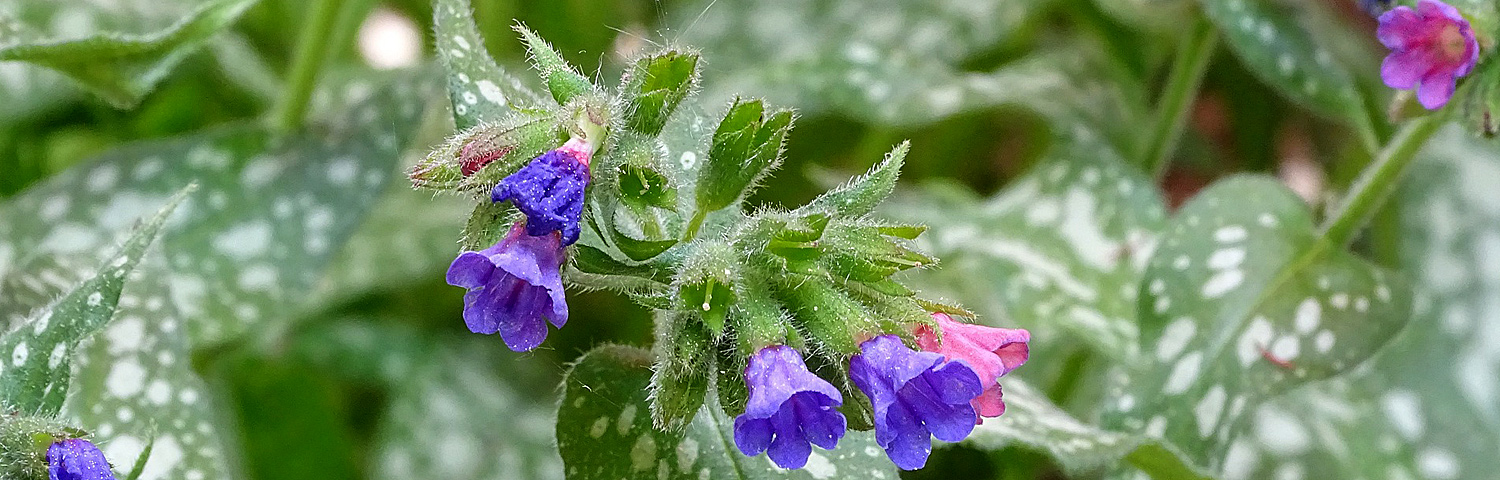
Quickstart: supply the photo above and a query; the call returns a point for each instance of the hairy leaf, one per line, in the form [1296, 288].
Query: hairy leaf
[41, 348]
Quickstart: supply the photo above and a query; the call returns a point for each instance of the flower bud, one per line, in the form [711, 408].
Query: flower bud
[464, 161]
[654, 86]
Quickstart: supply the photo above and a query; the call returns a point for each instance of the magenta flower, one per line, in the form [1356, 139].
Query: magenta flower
[549, 190]
[915, 395]
[77, 459]
[1430, 48]
[991, 352]
[512, 287]
[789, 411]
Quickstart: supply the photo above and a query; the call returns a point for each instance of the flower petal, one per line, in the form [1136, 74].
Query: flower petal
[1402, 70]
[752, 435]
[1435, 90]
[470, 270]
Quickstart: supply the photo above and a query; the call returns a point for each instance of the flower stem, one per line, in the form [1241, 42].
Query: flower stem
[1172, 109]
[312, 49]
[1376, 183]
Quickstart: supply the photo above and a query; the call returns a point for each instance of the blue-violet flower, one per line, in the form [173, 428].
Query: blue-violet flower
[549, 190]
[77, 459]
[914, 394]
[790, 409]
[512, 286]
[1431, 47]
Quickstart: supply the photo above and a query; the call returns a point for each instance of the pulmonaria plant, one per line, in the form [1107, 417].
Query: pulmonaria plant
[1432, 46]
[750, 299]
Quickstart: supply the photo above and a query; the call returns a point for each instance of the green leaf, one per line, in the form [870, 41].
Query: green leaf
[1059, 251]
[1428, 405]
[654, 86]
[242, 254]
[562, 80]
[268, 215]
[41, 349]
[1033, 421]
[1274, 45]
[481, 91]
[890, 62]
[1240, 302]
[122, 67]
[604, 431]
[747, 145]
[862, 194]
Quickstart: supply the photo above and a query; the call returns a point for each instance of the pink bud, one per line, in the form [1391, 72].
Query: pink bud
[991, 352]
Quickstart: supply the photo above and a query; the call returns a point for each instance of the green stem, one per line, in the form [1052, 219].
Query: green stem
[1376, 183]
[1182, 87]
[312, 49]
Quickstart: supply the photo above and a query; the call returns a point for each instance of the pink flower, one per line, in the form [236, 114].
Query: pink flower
[1430, 48]
[992, 352]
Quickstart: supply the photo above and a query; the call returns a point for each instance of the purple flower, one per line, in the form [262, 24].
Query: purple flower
[1430, 48]
[549, 190]
[512, 285]
[790, 409]
[77, 459]
[915, 394]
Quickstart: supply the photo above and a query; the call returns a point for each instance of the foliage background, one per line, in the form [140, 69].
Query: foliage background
[297, 322]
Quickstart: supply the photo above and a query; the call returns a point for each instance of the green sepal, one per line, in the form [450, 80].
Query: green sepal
[562, 80]
[636, 168]
[833, 321]
[23, 444]
[654, 86]
[489, 223]
[909, 232]
[729, 381]
[706, 283]
[644, 184]
[756, 317]
[641, 250]
[942, 306]
[592, 260]
[861, 194]
[679, 378]
[746, 146]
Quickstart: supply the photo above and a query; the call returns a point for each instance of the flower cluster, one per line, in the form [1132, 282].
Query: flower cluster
[515, 287]
[1432, 46]
[939, 392]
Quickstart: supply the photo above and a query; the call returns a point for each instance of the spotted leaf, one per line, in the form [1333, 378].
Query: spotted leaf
[1242, 301]
[37, 371]
[241, 254]
[892, 62]
[1059, 251]
[1429, 406]
[480, 89]
[1033, 421]
[1268, 38]
[122, 65]
[604, 431]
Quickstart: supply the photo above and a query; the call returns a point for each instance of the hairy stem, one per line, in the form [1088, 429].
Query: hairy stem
[1182, 86]
[312, 49]
[1376, 183]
